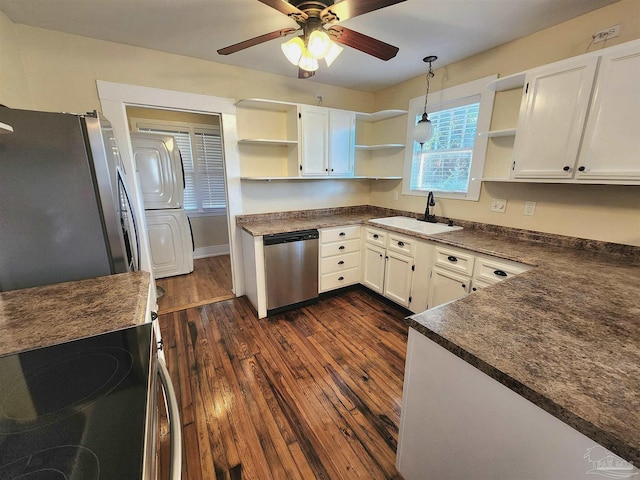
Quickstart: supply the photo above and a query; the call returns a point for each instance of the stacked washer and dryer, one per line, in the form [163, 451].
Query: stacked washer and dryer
[161, 176]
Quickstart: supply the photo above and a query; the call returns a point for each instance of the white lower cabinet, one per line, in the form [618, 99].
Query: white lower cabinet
[339, 257]
[388, 264]
[447, 286]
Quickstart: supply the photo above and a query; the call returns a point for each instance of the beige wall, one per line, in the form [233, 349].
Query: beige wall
[608, 213]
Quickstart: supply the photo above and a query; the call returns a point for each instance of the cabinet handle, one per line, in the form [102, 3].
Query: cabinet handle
[341, 262]
[341, 247]
[401, 244]
[451, 258]
[332, 169]
[380, 255]
[340, 278]
[500, 273]
[582, 169]
[567, 168]
[464, 285]
[375, 235]
[342, 234]
[474, 289]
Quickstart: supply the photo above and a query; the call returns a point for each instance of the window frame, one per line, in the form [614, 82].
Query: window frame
[193, 128]
[450, 98]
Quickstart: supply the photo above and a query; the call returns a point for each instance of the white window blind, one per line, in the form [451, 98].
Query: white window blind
[444, 163]
[203, 163]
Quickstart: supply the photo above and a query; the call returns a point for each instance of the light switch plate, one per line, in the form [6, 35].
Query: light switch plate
[498, 205]
[529, 208]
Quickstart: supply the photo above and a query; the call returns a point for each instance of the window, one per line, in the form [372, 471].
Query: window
[452, 162]
[202, 159]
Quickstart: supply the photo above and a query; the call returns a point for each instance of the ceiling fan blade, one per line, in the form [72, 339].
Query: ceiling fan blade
[286, 8]
[362, 42]
[256, 40]
[305, 73]
[345, 9]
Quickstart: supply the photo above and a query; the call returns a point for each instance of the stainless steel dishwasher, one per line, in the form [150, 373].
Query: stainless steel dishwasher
[291, 269]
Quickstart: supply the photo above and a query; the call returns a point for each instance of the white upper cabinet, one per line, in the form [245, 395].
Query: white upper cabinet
[552, 115]
[611, 145]
[327, 139]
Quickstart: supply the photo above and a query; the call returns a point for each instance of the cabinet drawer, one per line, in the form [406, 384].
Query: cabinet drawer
[454, 260]
[494, 270]
[328, 235]
[331, 281]
[339, 263]
[402, 244]
[335, 248]
[375, 236]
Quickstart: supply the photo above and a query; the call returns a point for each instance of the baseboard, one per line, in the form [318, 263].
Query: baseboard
[211, 251]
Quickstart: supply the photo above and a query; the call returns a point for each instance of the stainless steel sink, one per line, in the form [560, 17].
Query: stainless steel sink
[414, 225]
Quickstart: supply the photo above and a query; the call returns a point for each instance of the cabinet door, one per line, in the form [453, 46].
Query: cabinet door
[446, 286]
[397, 278]
[551, 121]
[314, 129]
[373, 267]
[611, 145]
[341, 142]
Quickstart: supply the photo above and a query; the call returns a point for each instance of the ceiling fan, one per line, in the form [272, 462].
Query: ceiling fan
[317, 22]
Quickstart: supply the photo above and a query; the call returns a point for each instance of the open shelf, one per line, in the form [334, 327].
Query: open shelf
[266, 141]
[384, 146]
[298, 179]
[507, 83]
[263, 104]
[507, 132]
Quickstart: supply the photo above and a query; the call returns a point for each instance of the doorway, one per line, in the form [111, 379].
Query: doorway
[116, 98]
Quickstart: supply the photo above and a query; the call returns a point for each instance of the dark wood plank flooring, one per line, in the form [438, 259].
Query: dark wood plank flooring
[310, 393]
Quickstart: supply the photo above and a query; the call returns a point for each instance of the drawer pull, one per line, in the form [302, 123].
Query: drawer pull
[451, 258]
[341, 262]
[340, 278]
[341, 247]
[401, 244]
[500, 273]
[375, 235]
[566, 168]
[464, 285]
[474, 289]
[342, 234]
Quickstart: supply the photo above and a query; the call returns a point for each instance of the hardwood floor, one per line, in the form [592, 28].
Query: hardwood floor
[310, 393]
[209, 282]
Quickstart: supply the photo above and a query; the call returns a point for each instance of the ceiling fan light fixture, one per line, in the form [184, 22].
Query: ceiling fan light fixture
[293, 50]
[308, 62]
[319, 43]
[332, 54]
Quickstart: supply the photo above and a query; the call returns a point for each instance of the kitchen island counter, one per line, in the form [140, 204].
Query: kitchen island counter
[42, 316]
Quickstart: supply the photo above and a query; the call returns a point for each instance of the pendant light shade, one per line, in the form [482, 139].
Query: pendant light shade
[423, 131]
[334, 51]
[308, 62]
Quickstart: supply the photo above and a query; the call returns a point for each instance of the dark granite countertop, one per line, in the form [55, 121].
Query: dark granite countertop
[42, 316]
[565, 335]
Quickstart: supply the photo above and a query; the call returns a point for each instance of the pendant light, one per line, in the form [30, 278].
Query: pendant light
[423, 131]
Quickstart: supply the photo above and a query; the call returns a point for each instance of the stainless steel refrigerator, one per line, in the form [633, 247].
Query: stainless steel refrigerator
[64, 206]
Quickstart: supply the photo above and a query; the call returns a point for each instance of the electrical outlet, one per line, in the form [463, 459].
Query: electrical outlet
[498, 205]
[606, 34]
[319, 98]
[395, 195]
[529, 208]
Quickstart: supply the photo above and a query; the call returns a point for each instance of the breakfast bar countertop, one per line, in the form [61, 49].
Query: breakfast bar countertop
[565, 335]
[42, 316]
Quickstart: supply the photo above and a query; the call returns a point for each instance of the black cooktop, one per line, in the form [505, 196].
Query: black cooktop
[76, 410]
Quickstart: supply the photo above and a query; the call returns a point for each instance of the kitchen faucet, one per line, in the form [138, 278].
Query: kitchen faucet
[428, 217]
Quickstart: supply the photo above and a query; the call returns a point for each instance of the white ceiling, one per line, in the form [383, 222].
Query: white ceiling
[450, 29]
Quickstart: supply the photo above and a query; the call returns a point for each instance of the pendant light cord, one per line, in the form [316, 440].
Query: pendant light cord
[430, 75]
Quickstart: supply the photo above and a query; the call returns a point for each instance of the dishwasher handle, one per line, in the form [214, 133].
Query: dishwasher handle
[173, 415]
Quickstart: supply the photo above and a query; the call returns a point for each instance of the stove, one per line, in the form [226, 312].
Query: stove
[77, 410]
